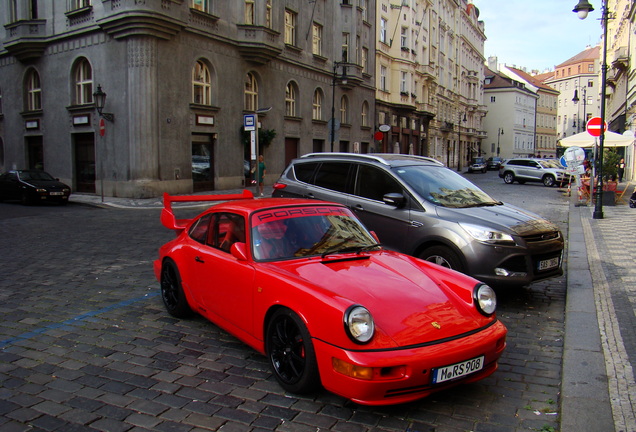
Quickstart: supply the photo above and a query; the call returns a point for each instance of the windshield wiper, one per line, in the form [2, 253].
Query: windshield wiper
[358, 249]
[484, 204]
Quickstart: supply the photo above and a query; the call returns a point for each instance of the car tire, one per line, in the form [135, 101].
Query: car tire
[444, 256]
[291, 353]
[484, 170]
[172, 294]
[549, 181]
[509, 178]
[24, 199]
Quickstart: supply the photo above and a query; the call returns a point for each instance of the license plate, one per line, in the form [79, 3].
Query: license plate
[458, 370]
[56, 193]
[549, 264]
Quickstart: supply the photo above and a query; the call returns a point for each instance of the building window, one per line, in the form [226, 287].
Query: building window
[33, 91]
[358, 51]
[365, 60]
[364, 5]
[78, 4]
[404, 40]
[345, 47]
[590, 68]
[492, 98]
[268, 14]
[251, 93]
[383, 25]
[403, 82]
[344, 115]
[202, 5]
[590, 83]
[317, 105]
[83, 82]
[365, 114]
[249, 12]
[383, 71]
[290, 27]
[317, 39]
[201, 84]
[290, 100]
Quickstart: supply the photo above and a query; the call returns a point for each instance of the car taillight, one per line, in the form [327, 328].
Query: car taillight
[279, 186]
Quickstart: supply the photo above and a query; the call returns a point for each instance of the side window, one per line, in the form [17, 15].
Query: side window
[373, 183]
[333, 175]
[305, 171]
[516, 162]
[227, 229]
[199, 230]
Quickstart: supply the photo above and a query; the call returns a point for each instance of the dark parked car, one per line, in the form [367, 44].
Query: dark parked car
[477, 164]
[419, 207]
[31, 186]
[493, 163]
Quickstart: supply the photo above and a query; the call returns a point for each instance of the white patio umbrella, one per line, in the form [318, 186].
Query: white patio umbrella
[585, 140]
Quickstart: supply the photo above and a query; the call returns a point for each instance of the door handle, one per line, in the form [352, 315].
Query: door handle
[199, 260]
[358, 207]
[309, 195]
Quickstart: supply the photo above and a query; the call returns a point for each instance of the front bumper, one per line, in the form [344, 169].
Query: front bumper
[416, 363]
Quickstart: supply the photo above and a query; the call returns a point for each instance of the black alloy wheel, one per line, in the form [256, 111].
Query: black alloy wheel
[291, 353]
[172, 294]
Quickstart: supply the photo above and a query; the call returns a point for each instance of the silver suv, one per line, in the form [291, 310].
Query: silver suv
[417, 206]
[547, 171]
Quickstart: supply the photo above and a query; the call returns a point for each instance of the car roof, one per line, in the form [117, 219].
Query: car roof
[252, 205]
[388, 159]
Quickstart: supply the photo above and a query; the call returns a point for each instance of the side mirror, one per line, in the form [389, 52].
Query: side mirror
[394, 199]
[239, 251]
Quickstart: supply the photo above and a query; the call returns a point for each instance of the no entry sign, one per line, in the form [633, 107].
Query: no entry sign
[594, 126]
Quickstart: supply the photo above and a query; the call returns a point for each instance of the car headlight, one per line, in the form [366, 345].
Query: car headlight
[359, 324]
[485, 299]
[40, 190]
[487, 235]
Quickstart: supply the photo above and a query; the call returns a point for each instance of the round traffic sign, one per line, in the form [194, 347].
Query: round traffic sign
[594, 128]
[378, 136]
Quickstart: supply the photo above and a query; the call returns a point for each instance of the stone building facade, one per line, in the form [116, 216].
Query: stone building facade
[429, 78]
[180, 76]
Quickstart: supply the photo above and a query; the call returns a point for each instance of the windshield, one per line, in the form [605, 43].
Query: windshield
[35, 175]
[285, 233]
[550, 163]
[441, 186]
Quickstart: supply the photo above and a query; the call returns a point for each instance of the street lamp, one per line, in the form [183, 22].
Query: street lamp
[582, 9]
[100, 100]
[343, 80]
[576, 99]
[459, 137]
[499, 133]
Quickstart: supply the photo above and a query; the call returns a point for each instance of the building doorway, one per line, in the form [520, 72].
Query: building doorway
[203, 162]
[35, 152]
[291, 149]
[84, 162]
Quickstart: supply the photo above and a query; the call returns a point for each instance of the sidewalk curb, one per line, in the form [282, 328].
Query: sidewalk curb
[585, 401]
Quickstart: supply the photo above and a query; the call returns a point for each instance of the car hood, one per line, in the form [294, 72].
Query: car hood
[506, 218]
[46, 184]
[406, 303]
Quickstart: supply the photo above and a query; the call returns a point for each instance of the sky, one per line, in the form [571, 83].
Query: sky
[537, 34]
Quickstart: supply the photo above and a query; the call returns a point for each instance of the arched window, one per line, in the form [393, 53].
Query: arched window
[344, 116]
[290, 99]
[201, 84]
[251, 92]
[83, 82]
[365, 114]
[317, 105]
[33, 91]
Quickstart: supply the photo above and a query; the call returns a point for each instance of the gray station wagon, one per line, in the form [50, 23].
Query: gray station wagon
[418, 206]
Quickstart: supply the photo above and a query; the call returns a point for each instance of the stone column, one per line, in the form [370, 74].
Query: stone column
[143, 130]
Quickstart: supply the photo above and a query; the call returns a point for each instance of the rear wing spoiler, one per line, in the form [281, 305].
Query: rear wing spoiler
[168, 218]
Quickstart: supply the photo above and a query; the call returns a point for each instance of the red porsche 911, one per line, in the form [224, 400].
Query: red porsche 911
[305, 283]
